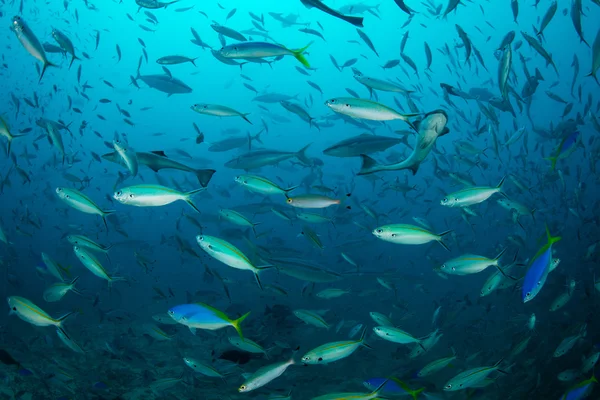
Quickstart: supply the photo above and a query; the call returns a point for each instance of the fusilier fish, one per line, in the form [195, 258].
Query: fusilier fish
[408, 234]
[153, 196]
[31, 313]
[30, 42]
[79, 201]
[229, 255]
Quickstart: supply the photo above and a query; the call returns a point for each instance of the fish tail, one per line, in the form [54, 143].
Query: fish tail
[245, 118]
[499, 256]
[362, 339]
[62, 319]
[236, 324]
[73, 60]
[441, 241]
[551, 239]
[499, 186]
[193, 61]
[46, 65]
[369, 165]
[204, 176]
[301, 155]
[414, 393]
[553, 160]
[188, 198]
[356, 21]
[291, 188]
[300, 57]
[106, 213]
[254, 227]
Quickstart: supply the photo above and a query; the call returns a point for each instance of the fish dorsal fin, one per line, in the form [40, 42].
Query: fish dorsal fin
[159, 153]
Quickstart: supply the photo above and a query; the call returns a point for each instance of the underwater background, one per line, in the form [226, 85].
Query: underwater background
[312, 264]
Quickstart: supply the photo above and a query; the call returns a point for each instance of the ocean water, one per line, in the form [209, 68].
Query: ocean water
[311, 264]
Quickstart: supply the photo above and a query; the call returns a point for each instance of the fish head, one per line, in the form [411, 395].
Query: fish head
[337, 105]
[124, 196]
[449, 201]
[18, 25]
[178, 313]
[203, 242]
[72, 239]
[231, 51]
[201, 108]
[244, 388]
[435, 120]
[12, 304]
[240, 179]
[120, 146]
[62, 193]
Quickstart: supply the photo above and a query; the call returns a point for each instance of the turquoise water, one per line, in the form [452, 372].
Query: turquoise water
[324, 248]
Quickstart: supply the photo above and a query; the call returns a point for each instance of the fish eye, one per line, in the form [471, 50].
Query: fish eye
[131, 196]
[67, 197]
[306, 358]
[449, 386]
[332, 101]
[205, 106]
[443, 266]
[455, 199]
[379, 230]
[243, 387]
[14, 308]
[528, 294]
[289, 201]
[171, 312]
[320, 359]
[347, 105]
[119, 193]
[445, 200]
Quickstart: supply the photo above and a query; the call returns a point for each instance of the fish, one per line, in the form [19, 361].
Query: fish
[471, 196]
[157, 160]
[471, 264]
[79, 201]
[471, 377]
[65, 43]
[259, 184]
[539, 268]
[319, 5]
[30, 42]
[365, 109]
[154, 196]
[202, 316]
[311, 201]
[29, 312]
[429, 129]
[334, 351]
[164, 83]
[219, 111]
[174, 60]
[128, 155]
[260, 158]
[250, 50]
[57, 291]
[230, 255]
[408, 234]
[94, 266]
[265, 375]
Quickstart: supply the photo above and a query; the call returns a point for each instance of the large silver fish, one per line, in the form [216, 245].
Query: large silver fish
[30, 42]
[260, 158]
[361, 144]
[429, 130]
[157, 160]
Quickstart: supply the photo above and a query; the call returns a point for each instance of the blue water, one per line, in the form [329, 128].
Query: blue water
[155, 248]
